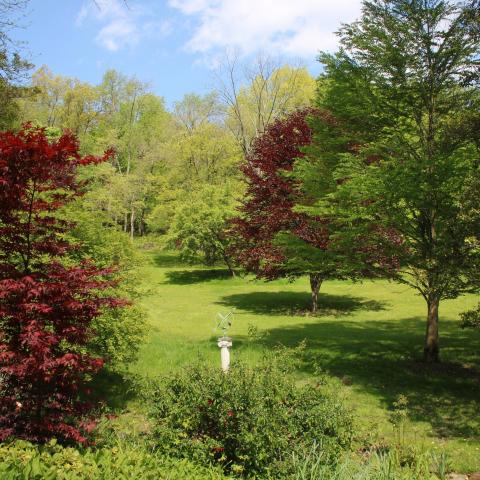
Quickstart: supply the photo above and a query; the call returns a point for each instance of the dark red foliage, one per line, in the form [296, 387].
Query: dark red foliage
[271, 196]
[46, 307]
[269, 209]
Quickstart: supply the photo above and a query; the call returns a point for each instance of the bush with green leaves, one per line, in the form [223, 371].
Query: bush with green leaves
[22, 460]
[199, 225]
[250, 420]
[471, 318]
[120, 332]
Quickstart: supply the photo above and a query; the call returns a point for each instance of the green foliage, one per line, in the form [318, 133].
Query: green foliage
[264, 92]
[250, 420]
[61, 102]
[471, 318]
[13, 68]
[22, 460]
[118, 113]
[404, 92]
[398, 418]
[195, 110]
[9, 96]
[199, 223]
[386, 465]
[119, 333]
[206, 155]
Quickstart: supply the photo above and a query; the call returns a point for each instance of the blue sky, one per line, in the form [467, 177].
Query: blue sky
[174, 44]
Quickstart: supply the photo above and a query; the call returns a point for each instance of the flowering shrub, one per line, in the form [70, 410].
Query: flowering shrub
[250, 420]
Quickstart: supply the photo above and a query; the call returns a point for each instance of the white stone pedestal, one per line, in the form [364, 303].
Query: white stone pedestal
[225, 344]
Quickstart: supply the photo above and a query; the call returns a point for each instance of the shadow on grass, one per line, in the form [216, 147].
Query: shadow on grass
[189, 277]
[382, 358]
[113, 389]
[167, 260]
[298, 303]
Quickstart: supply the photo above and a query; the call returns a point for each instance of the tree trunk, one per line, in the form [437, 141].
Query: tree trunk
[431, 350]
[229, 265]
[132, 223]
[315, 284]
[141, 223]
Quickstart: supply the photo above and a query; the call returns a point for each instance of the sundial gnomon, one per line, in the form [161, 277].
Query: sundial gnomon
[224, 322]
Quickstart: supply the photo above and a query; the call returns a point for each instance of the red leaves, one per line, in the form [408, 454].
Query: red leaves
[271, 196]
[46, 320]
[46, 308]
[36, 177]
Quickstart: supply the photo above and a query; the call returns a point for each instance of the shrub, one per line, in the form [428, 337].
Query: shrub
[471, 318]
[250, 420]
[119, 332]
[47, 303]
[118, 336]
[22, 460]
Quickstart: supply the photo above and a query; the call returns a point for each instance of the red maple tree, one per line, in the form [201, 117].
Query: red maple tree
[46, 304]
[276, 235]
[269, 206]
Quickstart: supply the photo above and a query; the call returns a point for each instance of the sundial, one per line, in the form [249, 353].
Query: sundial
[224, 322]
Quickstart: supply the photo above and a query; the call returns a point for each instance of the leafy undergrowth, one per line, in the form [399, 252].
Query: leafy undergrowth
[22, 460]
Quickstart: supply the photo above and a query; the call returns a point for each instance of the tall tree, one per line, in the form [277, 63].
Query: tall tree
[272, 238]
[13, 67]
[194, 110]
[405, 84]
[256, 95]
[200, 156]
[199, 225]
[62, 102]
[47, 304]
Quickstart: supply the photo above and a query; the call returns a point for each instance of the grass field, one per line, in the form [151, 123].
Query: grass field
[369, 335]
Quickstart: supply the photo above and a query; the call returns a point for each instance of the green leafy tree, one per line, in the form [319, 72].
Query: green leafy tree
[254, 96]
[120, 333]
[207, 154]
[404, 88]
[13, 68]
[62, 102]
[194, 110]
[198, 227]
[200, 153]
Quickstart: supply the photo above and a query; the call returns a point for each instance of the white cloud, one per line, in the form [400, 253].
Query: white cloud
[121, 25]
[117, 33]
[82, 15]
[284, 27]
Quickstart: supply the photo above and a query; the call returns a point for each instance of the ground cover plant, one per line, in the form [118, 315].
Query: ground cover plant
[22, 460]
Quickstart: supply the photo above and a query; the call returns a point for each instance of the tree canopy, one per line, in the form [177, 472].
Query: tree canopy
[404, 88]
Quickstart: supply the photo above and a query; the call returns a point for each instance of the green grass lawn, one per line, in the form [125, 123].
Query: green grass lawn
[368, 334]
